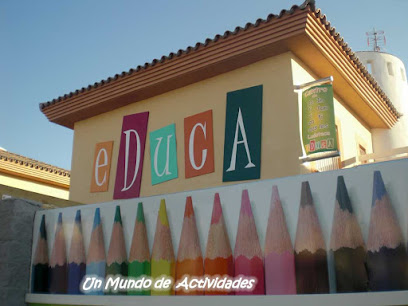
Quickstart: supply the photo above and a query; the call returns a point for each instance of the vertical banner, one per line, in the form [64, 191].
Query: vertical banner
[163, 154]
[243, 135]
[131, 154]
[198, 144]
[318, 122]
[101, 166]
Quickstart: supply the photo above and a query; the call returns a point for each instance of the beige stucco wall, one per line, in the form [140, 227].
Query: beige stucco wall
[352, 130]
[37, 187]
[281, 146]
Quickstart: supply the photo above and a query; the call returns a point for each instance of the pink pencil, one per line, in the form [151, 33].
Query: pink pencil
[280, 275]
[247, 252]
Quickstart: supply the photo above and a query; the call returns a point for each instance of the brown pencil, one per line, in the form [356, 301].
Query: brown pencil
[310, 248]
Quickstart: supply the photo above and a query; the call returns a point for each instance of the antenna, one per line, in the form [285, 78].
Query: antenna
[376, 39]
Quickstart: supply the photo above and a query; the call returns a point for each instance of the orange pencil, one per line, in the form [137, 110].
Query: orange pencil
[189, 258]
[218, 255]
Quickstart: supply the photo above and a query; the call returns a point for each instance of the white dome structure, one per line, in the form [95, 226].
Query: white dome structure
[389, 71]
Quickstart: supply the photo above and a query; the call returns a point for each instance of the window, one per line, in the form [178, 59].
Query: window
[389, 67]
[369, 66]
[403, 74]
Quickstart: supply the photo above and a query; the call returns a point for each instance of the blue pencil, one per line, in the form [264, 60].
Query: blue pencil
[96, 261]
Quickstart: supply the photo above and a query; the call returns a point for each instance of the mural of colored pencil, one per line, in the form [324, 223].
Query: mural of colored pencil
[218, 255]
[58, 261]
[347, 245]
[189, 257]
[310, 248]
[279, 257]
[116, 262]
[247, 252]
[387, 256]
[40, 262]
[96, 260]
[162, 262]
[76, 258]
[139, 257]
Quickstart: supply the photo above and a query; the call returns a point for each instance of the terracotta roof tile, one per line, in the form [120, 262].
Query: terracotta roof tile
[32, 163]
[306, 5]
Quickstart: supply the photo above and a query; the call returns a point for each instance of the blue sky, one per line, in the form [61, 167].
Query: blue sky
[50, 48]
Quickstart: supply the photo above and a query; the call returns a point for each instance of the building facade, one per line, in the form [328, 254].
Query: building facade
[292, 48]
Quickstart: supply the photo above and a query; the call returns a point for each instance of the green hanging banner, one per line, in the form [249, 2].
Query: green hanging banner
[243, 135]
[318, 122]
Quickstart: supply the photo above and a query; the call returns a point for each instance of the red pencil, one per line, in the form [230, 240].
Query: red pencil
[218, 256]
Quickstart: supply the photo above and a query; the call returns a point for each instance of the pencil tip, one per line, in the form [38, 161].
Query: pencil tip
[379, 190]
[189, 211]
[306, 195]
[43, 231]
[342, 195]
[78, 216]
[118, 217]
[163, 213]
[217, 209]
[60, 218]
[275, 194]
[246, 203]
[140, 213]
[97, 218]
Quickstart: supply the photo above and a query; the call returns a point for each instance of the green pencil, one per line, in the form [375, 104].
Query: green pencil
[116, 262]
[139, 257]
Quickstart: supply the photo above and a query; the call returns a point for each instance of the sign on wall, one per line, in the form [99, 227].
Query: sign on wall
[101, 166]
[198, 144]
[243, 131]
[131, 155]
[163, 154]
[318, 121]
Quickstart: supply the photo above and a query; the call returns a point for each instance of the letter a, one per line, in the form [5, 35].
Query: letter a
[240, 126]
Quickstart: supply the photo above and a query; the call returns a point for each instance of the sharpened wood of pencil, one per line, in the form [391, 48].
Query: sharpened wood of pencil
[386, 256]
[310, 248]
[280, 275]
[96, 260]
[189, 257]
[76, 258]
[347, 245]
[40, 262]
[139, 257]
[218, 255]
[247, 252]
[58, 261]
[162, 262]
[116, 261]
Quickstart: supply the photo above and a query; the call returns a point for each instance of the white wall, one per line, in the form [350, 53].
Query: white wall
[396, 88]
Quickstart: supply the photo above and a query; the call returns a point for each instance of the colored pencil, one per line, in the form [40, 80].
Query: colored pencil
[40, 262]
[139, 257]
[387, 256]
[116, 261]
[189, 257]
[310, 249]
[347, 245]
[76, 258]
[247, 252]
[58, 262]
[218, 255]
[280, 275]
[96, 260]
[162, 263]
